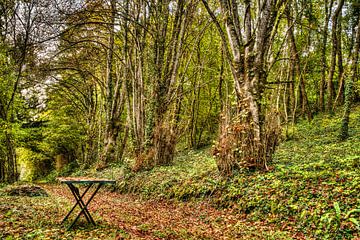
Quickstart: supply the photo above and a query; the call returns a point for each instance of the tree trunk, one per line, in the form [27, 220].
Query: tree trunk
[339, 100]
[137, 64]
[334, 37]
[243, 141]
[323, 55]
[10, 163]
[110, 127]
[115, 93]
[168, 31]
[296, 61]
[344, 132]
[164, 135]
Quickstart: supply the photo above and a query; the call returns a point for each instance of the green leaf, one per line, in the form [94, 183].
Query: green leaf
[8, 213]
[351, 212]
[337, 210]
[355, 222]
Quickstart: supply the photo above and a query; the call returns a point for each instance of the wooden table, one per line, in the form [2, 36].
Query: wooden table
[70, 181]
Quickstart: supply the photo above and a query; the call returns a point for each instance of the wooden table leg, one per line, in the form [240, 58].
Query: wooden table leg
[77, 202]
[75, 191]
[83, 206]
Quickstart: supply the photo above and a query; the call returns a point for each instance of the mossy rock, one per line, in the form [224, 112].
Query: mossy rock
[25, 191]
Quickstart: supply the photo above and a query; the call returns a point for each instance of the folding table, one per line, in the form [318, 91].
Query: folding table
[80, 197]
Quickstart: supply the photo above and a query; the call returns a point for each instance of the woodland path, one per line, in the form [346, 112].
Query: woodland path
[125, 216]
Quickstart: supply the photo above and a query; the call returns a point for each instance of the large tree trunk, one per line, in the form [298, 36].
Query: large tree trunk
[169, 32]
[110, 128]
[115, 94]
[138, 90]
[244, 141]
[164, 135]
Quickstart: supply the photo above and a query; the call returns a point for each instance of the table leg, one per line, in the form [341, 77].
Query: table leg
[75, 191]
[84, 208]
[77, 202]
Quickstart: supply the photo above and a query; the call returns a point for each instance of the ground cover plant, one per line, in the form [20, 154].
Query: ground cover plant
[312, 188]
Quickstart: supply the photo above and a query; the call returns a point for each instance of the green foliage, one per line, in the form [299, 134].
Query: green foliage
[7, 73]
[168, 181]
[336, 222]
[63, 133]
[31, 165]
[69, 169]
[38, 218]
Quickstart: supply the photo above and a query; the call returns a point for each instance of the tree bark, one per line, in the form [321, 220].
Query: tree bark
[334, 37]
[296, 61]
[115, 94]
[339, 100]
[138, 90]
[246, 60]
[344, 132]
[323, 55]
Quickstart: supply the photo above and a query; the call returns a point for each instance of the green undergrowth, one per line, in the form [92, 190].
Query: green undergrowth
[39, 218]
[312, 189]
[313, 186]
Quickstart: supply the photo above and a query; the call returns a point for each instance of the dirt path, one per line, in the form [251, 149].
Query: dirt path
[123, 216]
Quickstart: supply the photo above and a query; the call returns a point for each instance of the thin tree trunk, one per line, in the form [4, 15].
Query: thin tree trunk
[335, 42]
[9, 162]
[339, 100]
[323, 55]
[296, 61]
[292, 97]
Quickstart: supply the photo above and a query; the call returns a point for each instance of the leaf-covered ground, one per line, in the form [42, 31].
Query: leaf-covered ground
[311, 192]
[125, 216]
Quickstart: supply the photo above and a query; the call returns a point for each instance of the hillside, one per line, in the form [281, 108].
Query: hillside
[313, 186]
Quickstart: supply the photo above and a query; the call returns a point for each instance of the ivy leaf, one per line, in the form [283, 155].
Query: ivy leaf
[355, 222]
[337, 210]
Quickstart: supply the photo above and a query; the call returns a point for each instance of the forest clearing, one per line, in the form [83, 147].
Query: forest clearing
[179, 119]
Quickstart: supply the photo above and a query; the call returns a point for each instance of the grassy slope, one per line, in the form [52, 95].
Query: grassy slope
[311, 175]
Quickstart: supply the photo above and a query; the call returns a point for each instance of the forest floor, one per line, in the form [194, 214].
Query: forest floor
[125, 216]
[312, 191]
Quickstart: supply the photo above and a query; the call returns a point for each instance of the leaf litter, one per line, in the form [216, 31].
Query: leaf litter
[126, 216]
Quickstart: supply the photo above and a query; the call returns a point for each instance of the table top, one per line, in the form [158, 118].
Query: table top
[84, 180]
